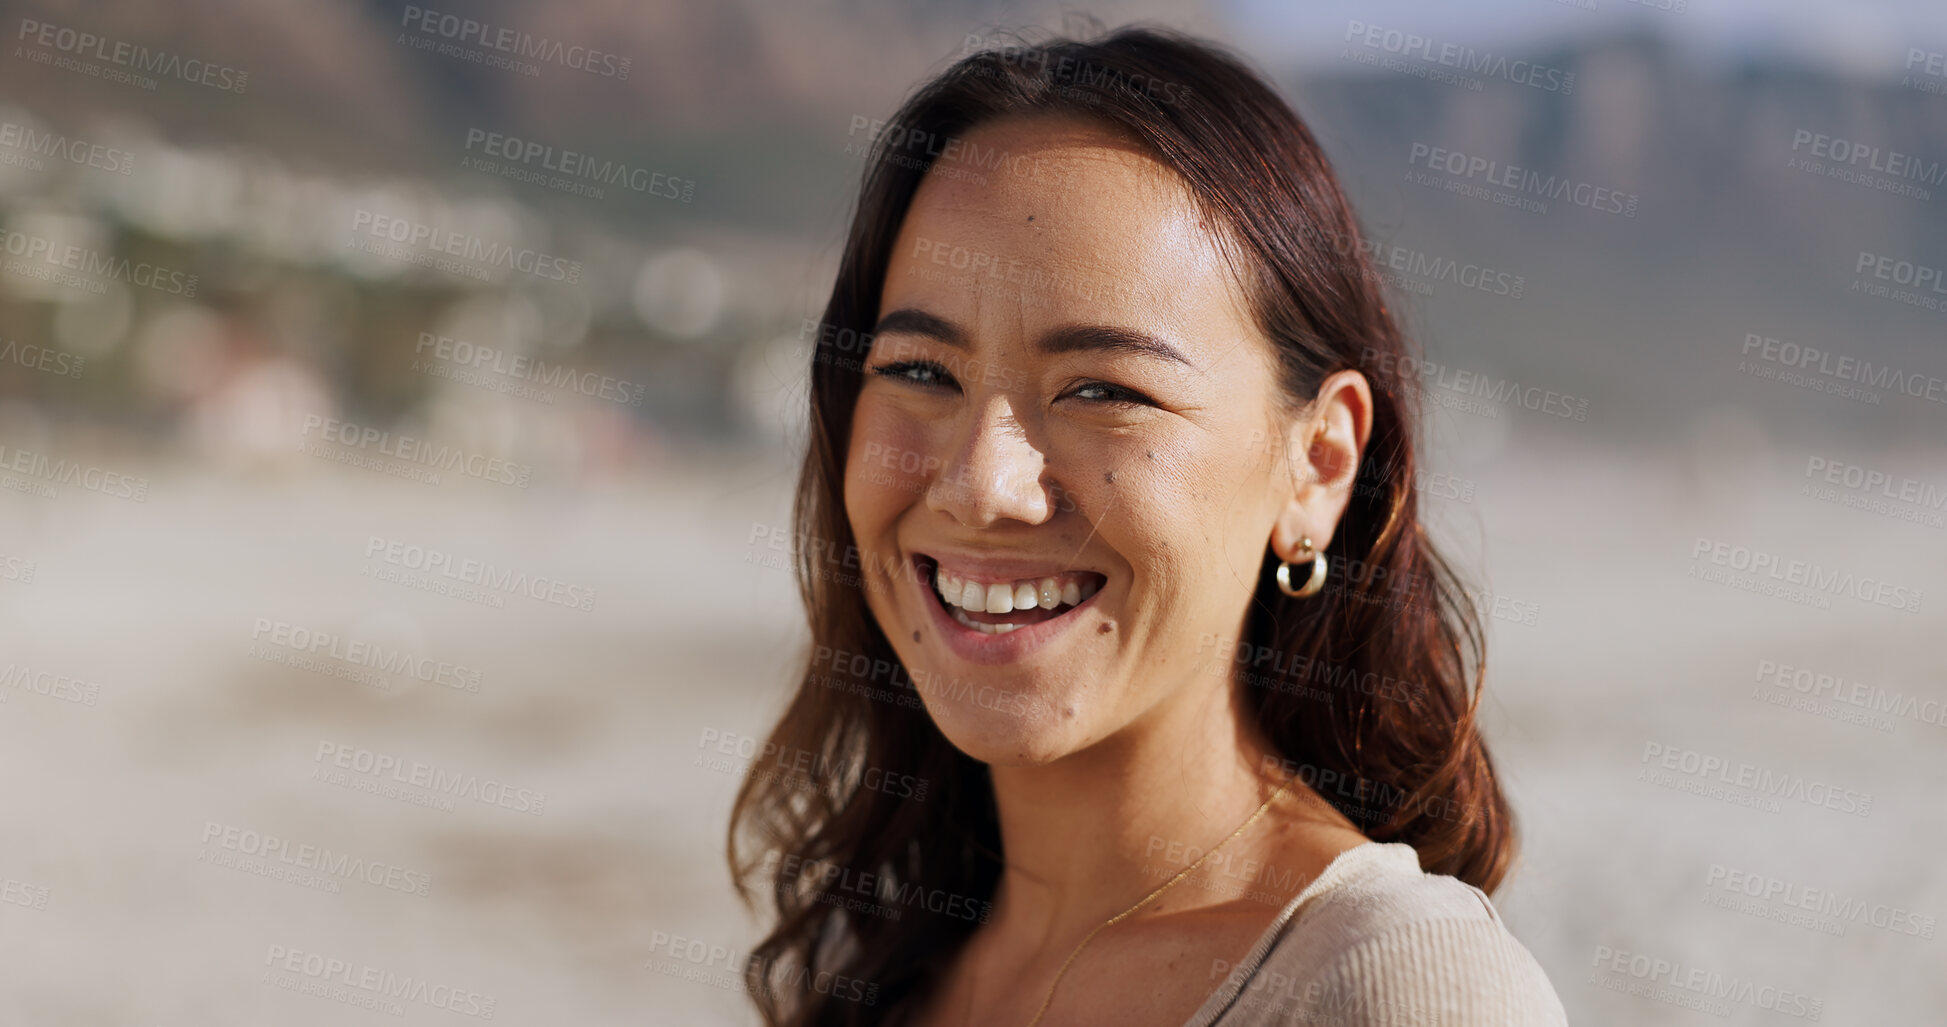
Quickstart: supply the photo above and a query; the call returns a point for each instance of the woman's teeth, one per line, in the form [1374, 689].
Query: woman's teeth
[961, 594]
[985, 629]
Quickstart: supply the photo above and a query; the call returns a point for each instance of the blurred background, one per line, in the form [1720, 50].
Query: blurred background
[396, 418]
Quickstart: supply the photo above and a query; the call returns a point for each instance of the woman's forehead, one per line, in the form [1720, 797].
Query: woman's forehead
[1066, 173]
[1066, 213]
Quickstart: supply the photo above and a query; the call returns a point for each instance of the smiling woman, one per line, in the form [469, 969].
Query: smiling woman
[1145, 602]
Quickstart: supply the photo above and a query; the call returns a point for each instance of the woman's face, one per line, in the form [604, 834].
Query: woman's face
[1069, 453]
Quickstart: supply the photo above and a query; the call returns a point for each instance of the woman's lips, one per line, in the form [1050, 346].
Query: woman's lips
[1002, 627]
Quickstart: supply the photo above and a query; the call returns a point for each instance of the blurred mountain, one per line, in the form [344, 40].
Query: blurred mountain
[757, 103]
[1729, 238]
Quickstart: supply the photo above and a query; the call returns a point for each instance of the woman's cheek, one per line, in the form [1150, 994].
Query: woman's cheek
[1122, 467]
[1146, 498]
[890, 463]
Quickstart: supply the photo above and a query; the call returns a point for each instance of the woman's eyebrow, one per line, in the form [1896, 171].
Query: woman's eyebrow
[911, 321]
[1069, 338]
[1064, 339]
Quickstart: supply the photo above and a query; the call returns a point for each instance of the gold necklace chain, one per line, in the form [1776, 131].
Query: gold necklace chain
[1165, 886]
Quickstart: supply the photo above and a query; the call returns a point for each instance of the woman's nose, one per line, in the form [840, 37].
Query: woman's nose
[994, 473]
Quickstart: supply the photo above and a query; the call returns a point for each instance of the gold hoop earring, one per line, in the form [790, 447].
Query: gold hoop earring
[1317, 580]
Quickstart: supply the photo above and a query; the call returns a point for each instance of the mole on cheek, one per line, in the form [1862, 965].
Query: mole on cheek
[1109, 476]
[1105, 628]
[915, 636]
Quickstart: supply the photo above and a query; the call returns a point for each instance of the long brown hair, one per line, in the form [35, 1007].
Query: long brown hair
[1364, 689]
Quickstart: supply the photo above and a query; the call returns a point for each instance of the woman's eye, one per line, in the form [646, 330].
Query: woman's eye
[1103, 392]
[924, 373]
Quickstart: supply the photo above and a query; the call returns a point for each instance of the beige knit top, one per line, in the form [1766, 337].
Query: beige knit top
[1374, 941]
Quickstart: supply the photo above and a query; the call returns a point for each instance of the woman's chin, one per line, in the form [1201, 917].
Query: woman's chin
[1006, 728]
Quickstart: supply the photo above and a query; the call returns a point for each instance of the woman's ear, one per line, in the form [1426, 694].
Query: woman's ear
[1324, 444]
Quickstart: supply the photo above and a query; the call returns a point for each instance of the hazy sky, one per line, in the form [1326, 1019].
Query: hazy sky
[1869, 38]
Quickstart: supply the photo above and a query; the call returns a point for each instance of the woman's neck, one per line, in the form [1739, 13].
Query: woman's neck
[1088, 835]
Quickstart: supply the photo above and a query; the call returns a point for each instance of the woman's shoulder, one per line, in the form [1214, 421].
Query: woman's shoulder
[1375, 940]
